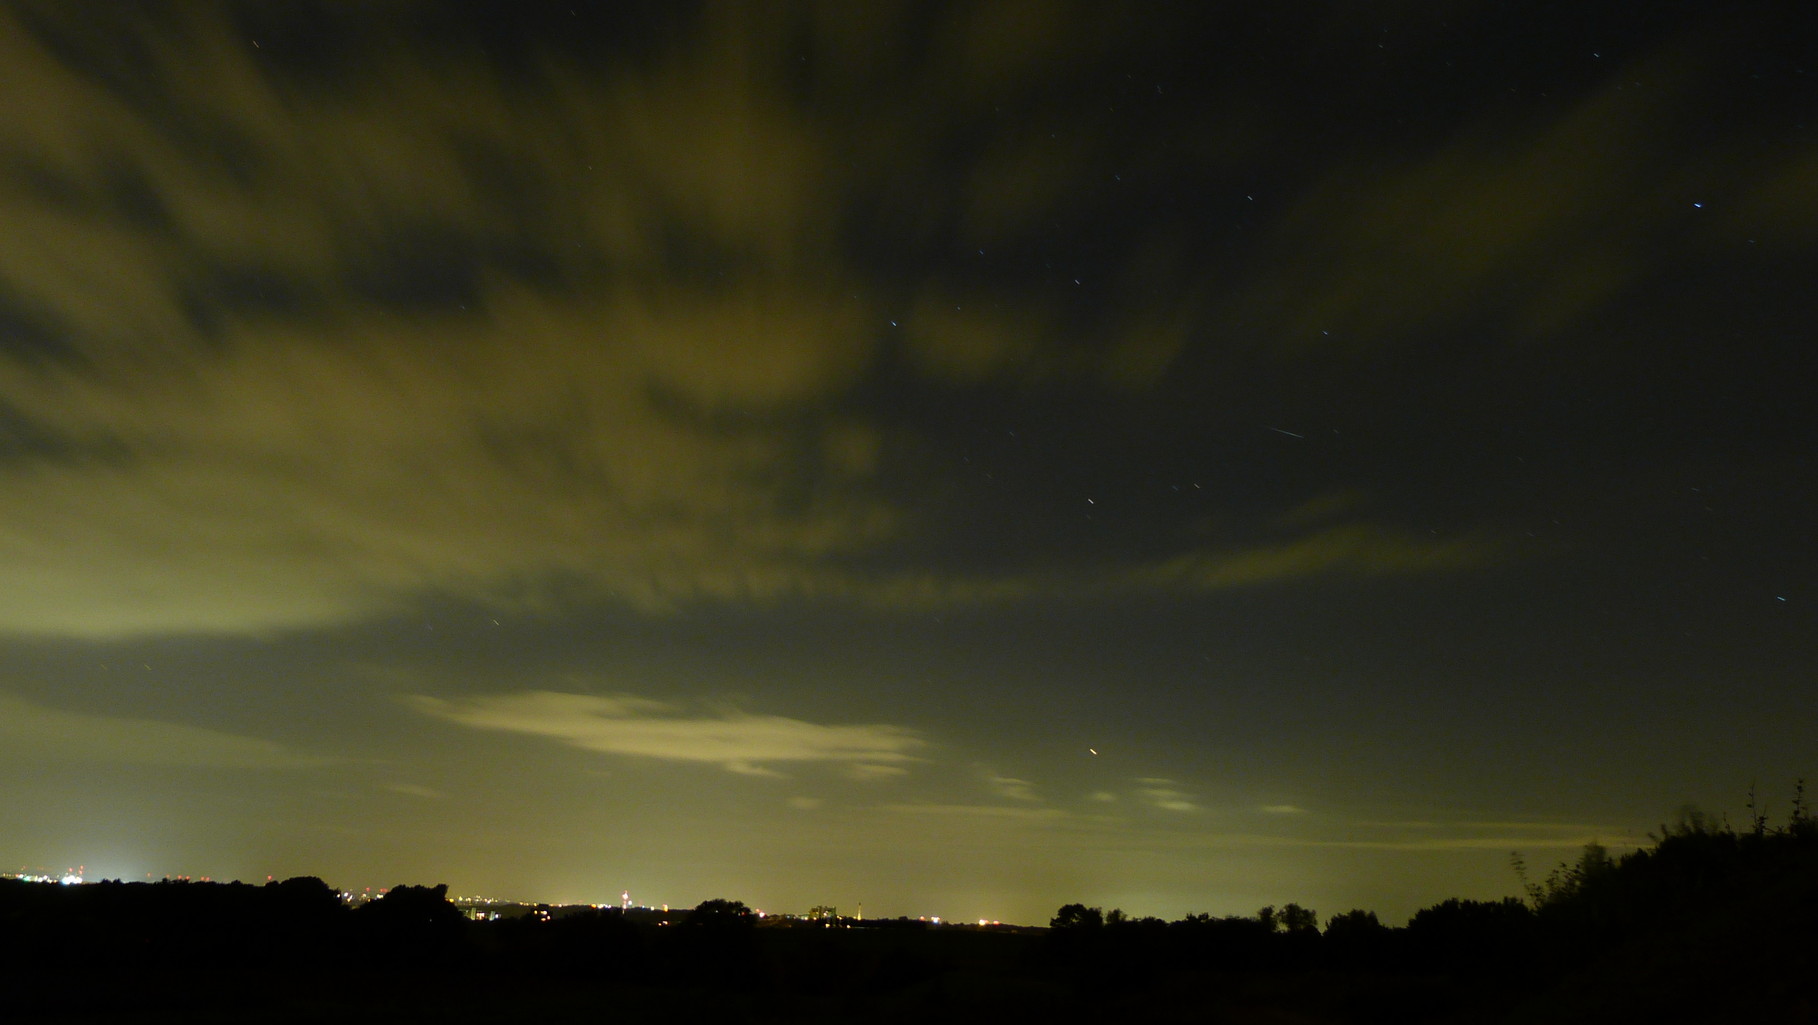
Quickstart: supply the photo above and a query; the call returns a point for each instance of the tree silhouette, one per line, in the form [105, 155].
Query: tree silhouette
[1298, 920]
[303, 898]
[1077, 917]
[1474, 936]
[720, 913]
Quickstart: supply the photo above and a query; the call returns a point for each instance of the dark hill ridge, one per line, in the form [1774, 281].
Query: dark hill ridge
[1707, 924]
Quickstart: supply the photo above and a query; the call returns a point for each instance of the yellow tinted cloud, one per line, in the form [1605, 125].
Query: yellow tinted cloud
[1165, 794]
[1354, 548]
[1542, 225]
[295, 462]
[626, 725]
[39, 731]
[310, 353]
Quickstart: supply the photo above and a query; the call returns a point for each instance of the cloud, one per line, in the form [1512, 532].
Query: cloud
[1357, 548]
[312, 383]
[40, 731]
[867, 772]
[1012, 788]
[1354, 548]
[977, 811]
[1504, 842]
[1165, 795]
[627, 725]
[1282, 809]
[287, 357]
[1330, 831]
[1543, 223]
[1498, 842]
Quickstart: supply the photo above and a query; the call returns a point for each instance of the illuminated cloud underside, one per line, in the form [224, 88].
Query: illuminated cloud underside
[625, 725]
[605, 431]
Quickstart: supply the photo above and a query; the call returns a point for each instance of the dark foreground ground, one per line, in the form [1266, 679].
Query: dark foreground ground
[1706, 926]
[901, 976]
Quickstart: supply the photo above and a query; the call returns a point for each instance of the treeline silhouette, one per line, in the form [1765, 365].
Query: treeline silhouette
[1708, 923]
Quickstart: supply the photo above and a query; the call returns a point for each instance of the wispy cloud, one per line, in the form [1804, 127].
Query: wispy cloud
[1012, 788]
[412, 338]
[1542, 222]
[1020, 813]
[1357, 548]
[866, 772]
[40, 731]
[639, 727]
[1498, 842]
[1165, 794]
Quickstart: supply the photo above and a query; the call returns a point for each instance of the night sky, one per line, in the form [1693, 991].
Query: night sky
[959, 458]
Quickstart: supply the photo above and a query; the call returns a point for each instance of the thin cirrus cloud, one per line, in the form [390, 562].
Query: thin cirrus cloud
[40, 731]
[639, 727]
[1012, 788]
[1165, 794]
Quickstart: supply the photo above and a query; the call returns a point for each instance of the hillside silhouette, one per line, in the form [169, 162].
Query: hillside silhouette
[1707, 923]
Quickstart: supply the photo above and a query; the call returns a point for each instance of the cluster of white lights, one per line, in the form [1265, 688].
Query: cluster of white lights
[67, 878]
